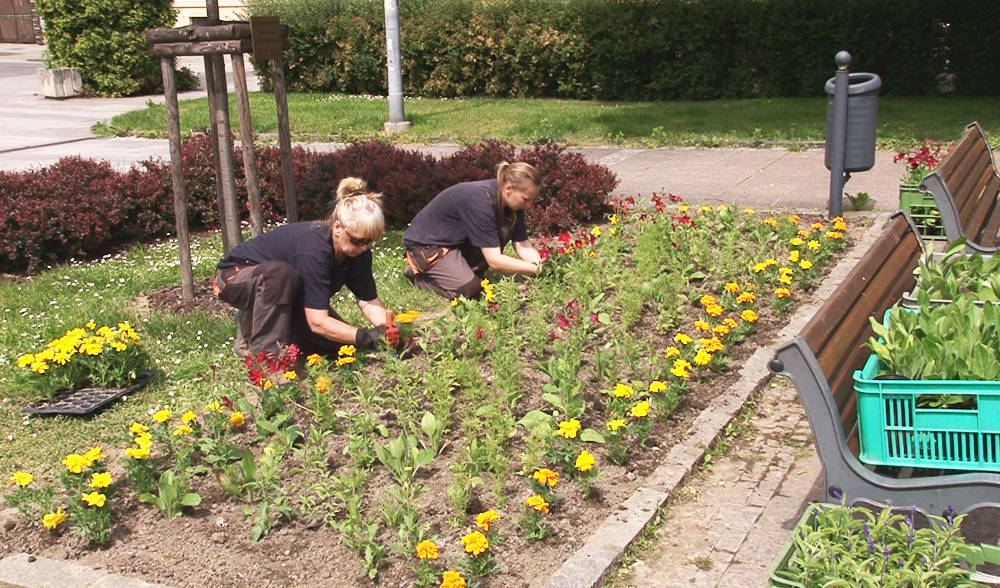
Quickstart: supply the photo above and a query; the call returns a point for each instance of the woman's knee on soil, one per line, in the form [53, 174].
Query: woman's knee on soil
[280, 283]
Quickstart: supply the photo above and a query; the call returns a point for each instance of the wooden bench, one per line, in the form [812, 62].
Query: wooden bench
[965, 187]
[821, 362]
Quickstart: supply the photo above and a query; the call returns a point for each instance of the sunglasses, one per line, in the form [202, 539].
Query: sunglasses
[357, 241]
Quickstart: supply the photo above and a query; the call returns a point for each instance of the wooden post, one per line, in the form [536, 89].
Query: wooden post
[177, 176]
[212, 9]
[285, 139]
[247, 142]
[220, 201]
[225, 147]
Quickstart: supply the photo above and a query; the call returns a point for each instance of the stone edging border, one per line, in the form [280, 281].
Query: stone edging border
[587, 567]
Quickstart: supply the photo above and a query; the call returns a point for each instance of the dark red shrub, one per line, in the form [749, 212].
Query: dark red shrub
[406, 178]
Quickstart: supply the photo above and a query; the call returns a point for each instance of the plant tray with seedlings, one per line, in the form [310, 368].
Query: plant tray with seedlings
[953, 424]
[947, 275]
[83, 401]
[834, 542]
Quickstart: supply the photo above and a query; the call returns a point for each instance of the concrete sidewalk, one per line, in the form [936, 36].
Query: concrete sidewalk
[36, 131]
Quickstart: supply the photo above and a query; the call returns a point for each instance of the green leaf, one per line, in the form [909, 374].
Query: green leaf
[191, 499]
[591, 436]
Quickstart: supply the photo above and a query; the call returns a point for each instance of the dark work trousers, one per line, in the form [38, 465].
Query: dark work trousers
[458, 273]
[266, 294]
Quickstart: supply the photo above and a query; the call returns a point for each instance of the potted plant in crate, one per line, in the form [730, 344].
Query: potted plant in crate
[838, 545]
[920, 206]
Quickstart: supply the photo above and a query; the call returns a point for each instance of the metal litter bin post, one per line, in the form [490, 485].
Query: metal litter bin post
[851, 122]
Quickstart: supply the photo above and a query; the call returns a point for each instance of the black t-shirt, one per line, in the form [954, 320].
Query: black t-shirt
[308, 247]
[464, 213]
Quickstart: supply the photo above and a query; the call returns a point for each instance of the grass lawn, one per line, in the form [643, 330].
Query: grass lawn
[332, 117]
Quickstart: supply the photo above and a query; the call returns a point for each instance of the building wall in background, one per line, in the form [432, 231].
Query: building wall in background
[228, 10]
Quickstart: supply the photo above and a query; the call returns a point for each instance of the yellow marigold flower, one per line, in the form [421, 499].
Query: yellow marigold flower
[702, 357]
[100, 480]
[188, 416]
[704, 209]
[215, 407]
[91, 348]
[137, 452]
[596, 231]
[746, 298]
[323, 384]
[770, 261]
[475, 543]
[52, 520]
[707, 300]
[782, 293]
[454, 301]
[427, 550]
[759, 267]
[682, 339]
[346, 350]
[613, 231]
[785, 280]
[452, 579]
[711, 345]
[794, 218]
[680, 369]
[640, 410]
[613, 219]
[729, 322]
[671, 351]
[546, 477]
[162, 416]
[592, 253]
[237, 419]
[22, 479]
[793, 256]
[76, 463]
[93, 454]
[118, 346]
[786, 271]
[748, 211]
[656, 386]
[105, 333]
[268, 384]
[749, 316]
[616, 424]
[803, 233]
[569, 429]
[95, 499]
[91, 325]
[833, 235]
[702, 326]
[144, 440]
[795, 242]
[770, 222]
[485, 283]
[839, 224]
[313, 359]
[585, 461]
[484, 519]
[721, 207]
[408, 317]
[623, 391]
[290, 375]
[817, 226]
[345, 361]
[805, 264]
[538, 503]
[714, 310]
[25, 360]
[182, 430]
[732, 287]
[720, 330]
[683, 208]
[39, 367]
[814, 245]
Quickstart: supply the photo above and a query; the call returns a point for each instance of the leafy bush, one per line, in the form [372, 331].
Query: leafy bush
[639, 50]
[106, 39]
[83, 208]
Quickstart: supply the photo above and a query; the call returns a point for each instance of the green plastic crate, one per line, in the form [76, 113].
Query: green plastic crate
[895, 432]
[924, 212]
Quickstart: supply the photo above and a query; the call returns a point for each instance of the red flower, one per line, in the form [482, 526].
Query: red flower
[257, 377]
[564, 237]
[674, 198]
[479, 332]
[594, 320]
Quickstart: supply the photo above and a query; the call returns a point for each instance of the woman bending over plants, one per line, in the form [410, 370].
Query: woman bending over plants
[462, 232]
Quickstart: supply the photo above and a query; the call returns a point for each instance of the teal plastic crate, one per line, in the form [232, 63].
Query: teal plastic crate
[895, 432]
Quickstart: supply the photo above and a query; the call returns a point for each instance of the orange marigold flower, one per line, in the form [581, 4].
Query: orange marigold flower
[720, 330]
[749, 316]
[538, 503]
[730, 322]
[475, 543]
[702, 326]
[746, 298]
[452, 579]
[782, 293]
[546, 477]
[731, 287]
[803, 233]
[714, 310]
[237, 419]
[323, 384]
[817, 226]
[313, 359]
[427, 550]
[707, 300]
[484, 519]
[794, 218]
[770, 222]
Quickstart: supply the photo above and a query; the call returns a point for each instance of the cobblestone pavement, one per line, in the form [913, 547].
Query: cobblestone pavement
[728, 524]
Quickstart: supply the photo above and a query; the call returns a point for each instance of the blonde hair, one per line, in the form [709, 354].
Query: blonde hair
[523, 177]
[358, 210]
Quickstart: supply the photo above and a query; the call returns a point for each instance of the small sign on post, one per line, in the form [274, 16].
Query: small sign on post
[266, 34]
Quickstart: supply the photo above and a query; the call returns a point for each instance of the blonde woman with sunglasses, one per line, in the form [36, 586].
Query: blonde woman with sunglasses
[281, 282]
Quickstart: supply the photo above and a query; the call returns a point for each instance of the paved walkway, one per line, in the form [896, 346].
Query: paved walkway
[35, 131]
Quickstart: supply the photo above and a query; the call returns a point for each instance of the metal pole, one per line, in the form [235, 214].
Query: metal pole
[838, 141]
[397, 120]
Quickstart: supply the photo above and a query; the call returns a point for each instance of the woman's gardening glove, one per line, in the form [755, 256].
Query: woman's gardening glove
[370, 338]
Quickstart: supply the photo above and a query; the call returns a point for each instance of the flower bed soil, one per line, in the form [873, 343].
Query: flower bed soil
[210, 545]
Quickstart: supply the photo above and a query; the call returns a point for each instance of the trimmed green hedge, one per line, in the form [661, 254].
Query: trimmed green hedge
[106, 40]
[641, 49]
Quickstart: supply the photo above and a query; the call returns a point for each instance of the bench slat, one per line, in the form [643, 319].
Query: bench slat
[958, 152]
[966, 188]
[987, 235]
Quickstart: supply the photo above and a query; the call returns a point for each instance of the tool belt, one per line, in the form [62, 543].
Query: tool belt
[423, 257]
[222, 277]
